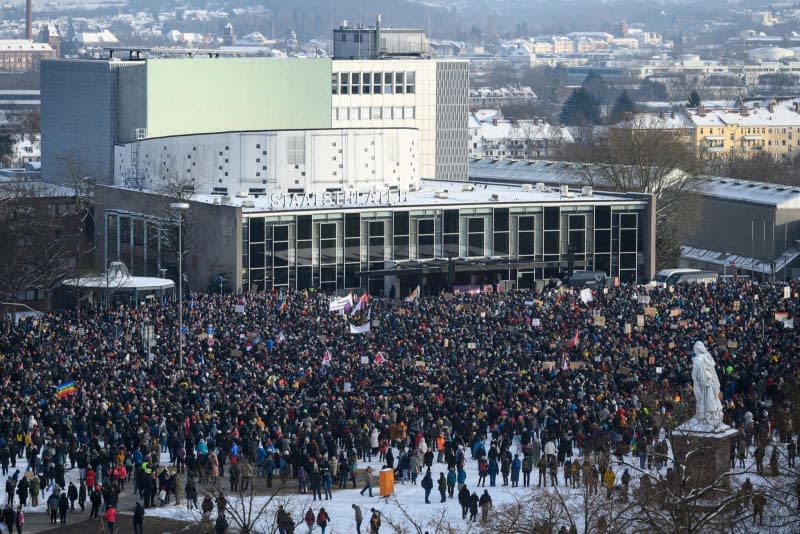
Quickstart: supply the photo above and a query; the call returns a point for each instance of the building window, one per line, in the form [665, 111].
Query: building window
[426, 239]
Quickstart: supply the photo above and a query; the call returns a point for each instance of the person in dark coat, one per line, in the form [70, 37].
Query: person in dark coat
[63, 506]
[8, 517]
[95, 497]
[22, 491]
[72, 495]
[473, 506]
[138, 518]
[463, 500]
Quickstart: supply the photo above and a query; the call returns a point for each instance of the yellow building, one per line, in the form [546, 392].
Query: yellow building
[771, 127]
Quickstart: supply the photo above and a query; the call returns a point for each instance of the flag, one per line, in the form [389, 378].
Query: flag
[575, 339]
[281, 307]
[66, 389]
[379, 358]
[360, 329]
[414, 295]
[362, 303]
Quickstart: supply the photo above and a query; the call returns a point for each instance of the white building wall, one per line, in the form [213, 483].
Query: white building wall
[417, 109]
[308, 161]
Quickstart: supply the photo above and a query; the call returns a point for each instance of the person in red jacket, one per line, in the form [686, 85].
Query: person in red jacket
[90, 477]
[111, 518]
[121, 474]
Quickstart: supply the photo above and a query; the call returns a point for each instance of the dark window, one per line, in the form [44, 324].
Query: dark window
[578, 241]
[303, 227]
[426, 226]
[627, 240]
[501, 220]
[476, 224]
[352, 250]
[376, 229]
[526, 224]
[450, 222]
[425, 246]
[401, 248]
[526, 244]
[602, 217]
[280, 233]
[327, 231]
[281, 257]
[501, 244]
[551, 242]
[401, 223]
[577, 222]
[303, 277]
[551, 218]
[475, 245]
[450, 245]
[327, 251]
[627, 220]
[256, 256]
[602, 241]
[256, 230]
[351, 225]
[304, 253]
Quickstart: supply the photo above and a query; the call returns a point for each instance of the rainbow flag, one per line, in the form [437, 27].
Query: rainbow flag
[66, 389]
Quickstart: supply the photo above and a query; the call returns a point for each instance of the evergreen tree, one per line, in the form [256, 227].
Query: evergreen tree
[622, 105]
[694, 100]
[580, 109]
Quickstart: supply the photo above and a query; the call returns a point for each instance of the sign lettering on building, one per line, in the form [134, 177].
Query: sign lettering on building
[330, 199]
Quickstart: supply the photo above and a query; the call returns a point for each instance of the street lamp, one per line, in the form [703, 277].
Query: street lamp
[180, 207]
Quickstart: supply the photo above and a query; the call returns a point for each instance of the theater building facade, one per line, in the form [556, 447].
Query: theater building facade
[441, 236]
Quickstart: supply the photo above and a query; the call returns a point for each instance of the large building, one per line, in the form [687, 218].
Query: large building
[770, 127]
[21, 54]
[443, 235]
[89, 106]
[343, 174]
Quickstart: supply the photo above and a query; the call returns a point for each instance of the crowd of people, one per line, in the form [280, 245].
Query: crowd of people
[274, 385]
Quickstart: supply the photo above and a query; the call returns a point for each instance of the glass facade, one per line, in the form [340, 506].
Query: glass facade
[336, 251]
[146, 245]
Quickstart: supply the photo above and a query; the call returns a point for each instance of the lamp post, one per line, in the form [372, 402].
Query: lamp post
[180, 207]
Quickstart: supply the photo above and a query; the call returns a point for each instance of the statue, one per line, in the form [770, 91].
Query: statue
[706, 387]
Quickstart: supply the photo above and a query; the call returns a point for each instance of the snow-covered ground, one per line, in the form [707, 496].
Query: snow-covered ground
[407, 504]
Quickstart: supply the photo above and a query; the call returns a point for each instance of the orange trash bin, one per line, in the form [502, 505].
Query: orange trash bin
[386, 480]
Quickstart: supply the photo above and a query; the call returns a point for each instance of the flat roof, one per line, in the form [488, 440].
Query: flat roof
[432, 194]
[780, 196]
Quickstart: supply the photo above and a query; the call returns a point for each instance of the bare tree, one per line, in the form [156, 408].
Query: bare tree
[647, 158]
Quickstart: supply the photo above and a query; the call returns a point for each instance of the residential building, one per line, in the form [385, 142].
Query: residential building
[492, 136]
[771, 127]
[22, 54]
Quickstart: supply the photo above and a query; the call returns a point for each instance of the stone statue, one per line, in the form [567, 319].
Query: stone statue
[706, 387]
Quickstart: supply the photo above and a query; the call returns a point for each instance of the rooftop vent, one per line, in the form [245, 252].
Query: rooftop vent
[248, 204]
[242, 194]
[540, 187]
[564, 190]
[586, 191]
[440, 194]
[467, 187]
[527, 187]
[494, 197]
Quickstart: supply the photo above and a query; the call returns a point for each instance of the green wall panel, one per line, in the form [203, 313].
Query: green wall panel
[231, 94]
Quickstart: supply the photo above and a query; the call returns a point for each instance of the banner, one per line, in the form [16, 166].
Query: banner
[586, 295]
[360, 329]
[340, 304]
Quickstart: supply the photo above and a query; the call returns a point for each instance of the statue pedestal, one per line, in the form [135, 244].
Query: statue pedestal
[702, 453]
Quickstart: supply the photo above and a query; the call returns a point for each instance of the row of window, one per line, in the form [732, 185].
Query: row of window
[374, 83]
[374, 113]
